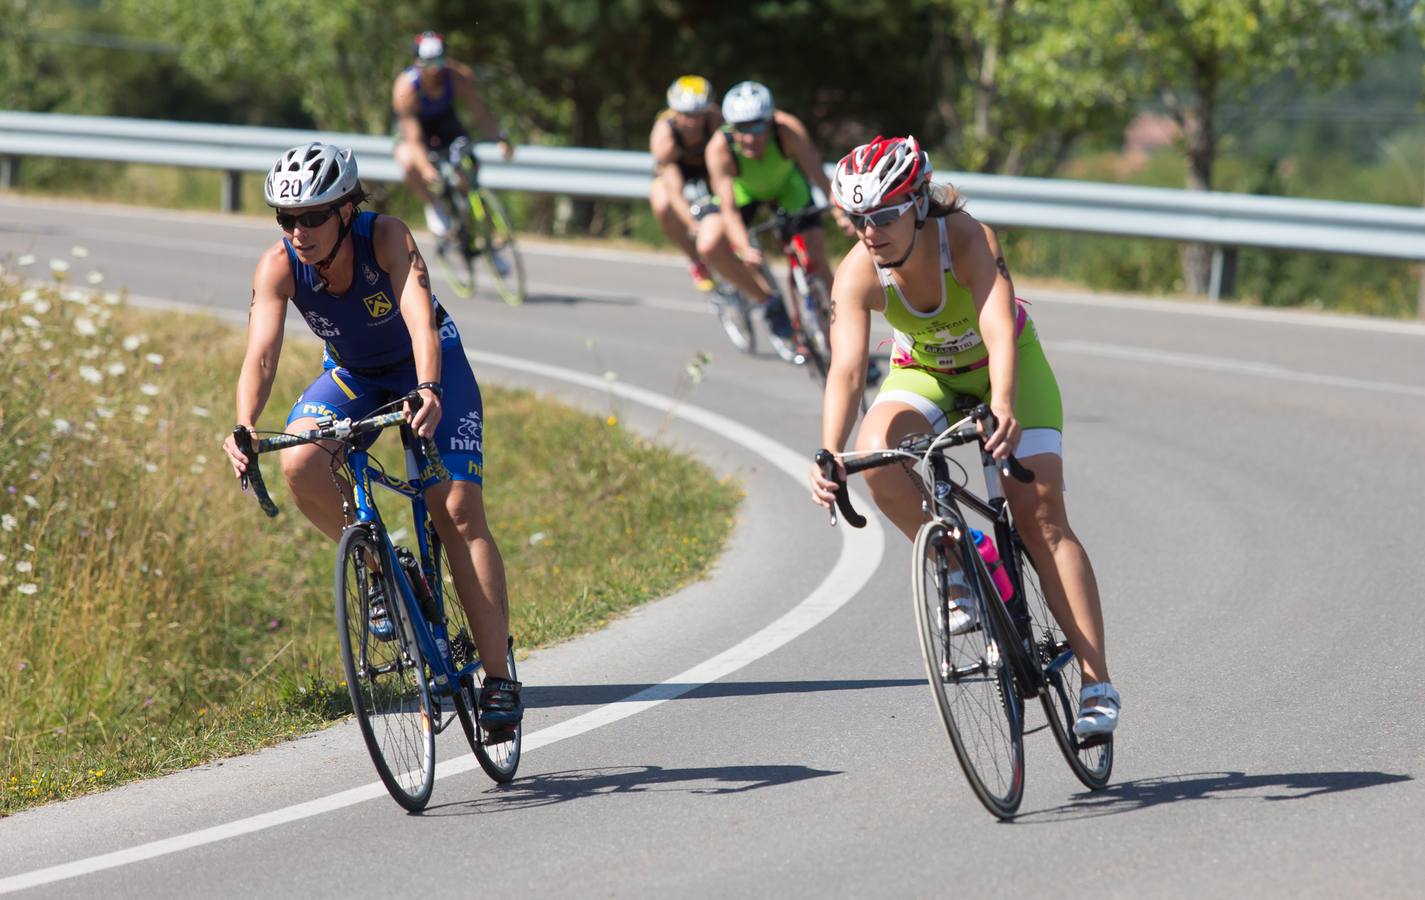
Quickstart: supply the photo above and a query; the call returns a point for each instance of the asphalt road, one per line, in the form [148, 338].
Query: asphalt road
[1247, 484]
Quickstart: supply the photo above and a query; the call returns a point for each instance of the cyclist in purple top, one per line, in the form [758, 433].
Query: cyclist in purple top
[362, 285]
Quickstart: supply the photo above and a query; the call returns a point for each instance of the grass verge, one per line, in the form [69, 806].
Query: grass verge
[153, 619]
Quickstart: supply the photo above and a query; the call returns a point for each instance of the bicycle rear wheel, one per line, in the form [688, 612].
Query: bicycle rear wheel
[386, 679]
[969, 676]
[501, 758]
[455, 251]
[1063, 678]
[497, 245]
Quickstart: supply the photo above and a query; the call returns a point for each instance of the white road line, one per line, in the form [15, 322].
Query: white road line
[1232, 366]
[861, 553]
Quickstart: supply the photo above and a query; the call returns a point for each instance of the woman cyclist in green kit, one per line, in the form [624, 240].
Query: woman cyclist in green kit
[959, 332]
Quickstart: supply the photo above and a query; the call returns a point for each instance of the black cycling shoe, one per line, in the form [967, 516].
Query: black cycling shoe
[500, 706]
[775, 312]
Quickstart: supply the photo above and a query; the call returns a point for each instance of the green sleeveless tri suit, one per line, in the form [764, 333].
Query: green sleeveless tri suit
[940, 356]
[775, 178]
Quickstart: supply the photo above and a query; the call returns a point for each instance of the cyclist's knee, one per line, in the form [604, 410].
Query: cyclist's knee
[462, 512]
[306, 468]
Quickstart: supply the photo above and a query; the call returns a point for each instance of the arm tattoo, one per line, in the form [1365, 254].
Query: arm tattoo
[1003, 268]
[833, 310]
[419, 265]
[250, 305]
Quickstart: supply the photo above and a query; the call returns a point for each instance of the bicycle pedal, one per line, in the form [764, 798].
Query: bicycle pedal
[501, 736]
[1096, 740]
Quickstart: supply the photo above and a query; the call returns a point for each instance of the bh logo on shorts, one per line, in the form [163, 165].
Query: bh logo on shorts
[321, 326]
[468, 436]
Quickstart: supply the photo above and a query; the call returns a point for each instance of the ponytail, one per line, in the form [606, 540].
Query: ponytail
[944, 200]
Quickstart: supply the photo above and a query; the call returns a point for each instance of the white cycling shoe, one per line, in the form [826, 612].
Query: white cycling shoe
[1098, 713]
[961, 616]
[437, 221]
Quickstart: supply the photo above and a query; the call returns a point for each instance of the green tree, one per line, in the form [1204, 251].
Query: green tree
[1193, 55]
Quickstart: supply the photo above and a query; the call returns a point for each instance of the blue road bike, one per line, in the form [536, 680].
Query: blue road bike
[406, 643]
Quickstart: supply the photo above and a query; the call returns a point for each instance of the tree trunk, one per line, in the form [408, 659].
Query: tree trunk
[1201, 141]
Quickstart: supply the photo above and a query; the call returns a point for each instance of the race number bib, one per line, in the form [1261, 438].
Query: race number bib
[289, 187]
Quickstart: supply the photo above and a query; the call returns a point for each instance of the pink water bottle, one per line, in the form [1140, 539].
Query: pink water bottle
[992, 561]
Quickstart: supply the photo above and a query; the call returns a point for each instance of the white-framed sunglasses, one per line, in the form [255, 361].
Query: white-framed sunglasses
[879, 217]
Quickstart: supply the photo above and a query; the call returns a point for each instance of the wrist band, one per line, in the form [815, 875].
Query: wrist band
[432, 386]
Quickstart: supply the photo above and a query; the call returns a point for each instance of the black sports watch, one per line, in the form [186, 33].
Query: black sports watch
[433, 387]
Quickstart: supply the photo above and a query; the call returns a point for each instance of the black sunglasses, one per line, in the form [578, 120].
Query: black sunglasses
[288, 221]
[750, 127]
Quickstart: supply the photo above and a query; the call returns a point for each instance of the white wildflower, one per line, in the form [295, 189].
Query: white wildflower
[141, 410]
[150, 390]
[79, 297]
[78, 252]
[41, 306]
[29, 295]
[200, 411]
[9, 522]
[29, 321]
[62, 426]
[27, 260]
[31, 502]
[155, 358]
[116, 368]
[28, 588]
[88, 462]
[536, 538]
[103, 412]
[46, 344]
[85, 327]
[150, 467]
[94, 277]
[29, 547]
[59, 265]
[111, 298]
[134, 341]
[24, 565]
[91, 374]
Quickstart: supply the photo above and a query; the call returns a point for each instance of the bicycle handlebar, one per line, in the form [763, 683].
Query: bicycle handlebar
[789, 224]
[919, 444]
[341, 430]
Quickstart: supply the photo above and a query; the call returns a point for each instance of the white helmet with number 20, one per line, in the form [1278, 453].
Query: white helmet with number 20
[311, 175]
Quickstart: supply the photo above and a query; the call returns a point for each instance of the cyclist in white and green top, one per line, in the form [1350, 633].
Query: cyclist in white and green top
[959, 332]
[761, 155]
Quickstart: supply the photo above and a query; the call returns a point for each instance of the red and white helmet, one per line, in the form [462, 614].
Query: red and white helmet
[879, 172]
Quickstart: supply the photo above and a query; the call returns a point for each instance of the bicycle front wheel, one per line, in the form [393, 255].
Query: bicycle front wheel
[969, 676]
[735, 317]
[386, 678]
[816, 326]
[497, 245]
[1063, 677]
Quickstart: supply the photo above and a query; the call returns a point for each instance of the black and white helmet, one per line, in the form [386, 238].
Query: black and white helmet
[312, 174]
[747, 101]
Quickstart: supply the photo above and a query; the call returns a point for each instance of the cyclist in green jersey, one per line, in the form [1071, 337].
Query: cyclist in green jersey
[959, 332]
[761, 155]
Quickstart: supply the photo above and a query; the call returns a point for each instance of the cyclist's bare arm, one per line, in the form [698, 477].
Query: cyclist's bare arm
[855, 293]
[406, 106]
[797, 143]
[665, 158]
[471, 98]
[397, 253]
[721, 170]
[980, 265]
[271, 286]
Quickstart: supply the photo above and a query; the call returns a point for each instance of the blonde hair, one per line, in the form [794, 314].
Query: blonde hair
[944, 200]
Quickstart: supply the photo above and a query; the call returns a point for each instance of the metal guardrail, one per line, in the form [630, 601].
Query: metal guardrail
[1220, 219]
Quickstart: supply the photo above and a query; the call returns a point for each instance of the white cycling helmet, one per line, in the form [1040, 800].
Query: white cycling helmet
[312, 175]
[429, 47]
[747, 101]
[690, 95]
[877, 173]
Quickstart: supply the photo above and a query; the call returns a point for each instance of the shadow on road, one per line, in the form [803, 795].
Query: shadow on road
[599, 694]
[1130, 796]
[549, 788]
[549, 299]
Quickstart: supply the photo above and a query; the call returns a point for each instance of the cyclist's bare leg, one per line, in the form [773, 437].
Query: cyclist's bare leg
[307, 469]
[458, 510]
[714, 249]
[670, 218]
[416, 170]
[1069, 585]
[896, 492]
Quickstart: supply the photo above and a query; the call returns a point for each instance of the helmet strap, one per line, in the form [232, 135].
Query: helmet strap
[340, 237]
[922, 206]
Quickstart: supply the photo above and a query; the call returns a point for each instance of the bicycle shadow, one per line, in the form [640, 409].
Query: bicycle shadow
[551, 788]
[546, 696]
[1144, 793]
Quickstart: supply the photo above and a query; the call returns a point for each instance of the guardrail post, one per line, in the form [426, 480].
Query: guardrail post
[232, 191]
[1222, 282]
[9, 171]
